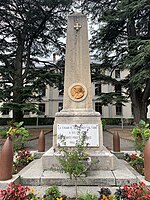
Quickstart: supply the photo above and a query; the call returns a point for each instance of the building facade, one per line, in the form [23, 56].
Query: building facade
[53, 102]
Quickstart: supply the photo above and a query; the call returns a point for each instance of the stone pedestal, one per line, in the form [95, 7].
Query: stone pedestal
[103, 159]
[89, 118]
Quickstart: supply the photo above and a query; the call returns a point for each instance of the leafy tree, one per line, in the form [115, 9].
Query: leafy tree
[28, 31]
[122, 41]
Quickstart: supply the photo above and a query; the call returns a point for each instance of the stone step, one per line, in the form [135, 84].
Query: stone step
[36, 176]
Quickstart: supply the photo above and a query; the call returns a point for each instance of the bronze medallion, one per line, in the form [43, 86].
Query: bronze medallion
[77, 91]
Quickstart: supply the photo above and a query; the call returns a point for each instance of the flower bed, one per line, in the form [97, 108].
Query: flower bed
[135, 191]
[22, 159]
[136, 161]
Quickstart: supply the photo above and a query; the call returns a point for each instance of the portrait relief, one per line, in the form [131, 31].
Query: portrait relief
[77, 91]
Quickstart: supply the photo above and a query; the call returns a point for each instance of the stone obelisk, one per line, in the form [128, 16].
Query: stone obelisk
[77, 103]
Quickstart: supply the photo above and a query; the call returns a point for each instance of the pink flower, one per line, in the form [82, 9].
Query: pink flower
[147, 196]
[10, 184]
[133, 156]
[129, 196]
[1, 195]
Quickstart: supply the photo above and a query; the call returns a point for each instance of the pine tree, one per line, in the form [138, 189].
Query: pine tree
[122, 41]
[29, 30]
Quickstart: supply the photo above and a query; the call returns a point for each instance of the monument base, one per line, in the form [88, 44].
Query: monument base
[102, 159]
[80, 117]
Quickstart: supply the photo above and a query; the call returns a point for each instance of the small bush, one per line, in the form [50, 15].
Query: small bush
[22, 158]
[19, 135]
[88, 196]
[141, 134]
[52, 193]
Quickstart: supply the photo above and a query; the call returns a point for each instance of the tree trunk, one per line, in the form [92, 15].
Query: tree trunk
[139, 103]
[139, 108]
[17, 115]
[18, 85]
[138, 97]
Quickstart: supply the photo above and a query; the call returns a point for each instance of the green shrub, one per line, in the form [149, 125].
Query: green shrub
[141, 134]
[3, 132]
[30, 121]
[18, 134]
[52, 193]
[88, 196]
[75, 161]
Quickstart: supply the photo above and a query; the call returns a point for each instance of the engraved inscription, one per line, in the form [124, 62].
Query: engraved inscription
[70, 134]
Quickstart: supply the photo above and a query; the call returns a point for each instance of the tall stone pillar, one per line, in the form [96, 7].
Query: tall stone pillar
[77, 84]
[77, 103]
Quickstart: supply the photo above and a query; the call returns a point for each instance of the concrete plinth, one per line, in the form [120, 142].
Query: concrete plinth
[78, 117]
[103, 159]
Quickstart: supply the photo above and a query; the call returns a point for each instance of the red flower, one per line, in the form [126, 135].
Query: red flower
[133, 156]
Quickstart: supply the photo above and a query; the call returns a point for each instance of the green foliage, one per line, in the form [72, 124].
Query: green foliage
[104, 124]
[41, 121]
[122, 41]
[75, 160]
[33, 34]
[113, 98]
[132, 191]
[112, 121]
[18, 134]
[88, 196]
[52, 193]
[30, 121]
[3, 133]
[141, 134]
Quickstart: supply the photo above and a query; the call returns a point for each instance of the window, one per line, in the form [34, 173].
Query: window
[117, 73]
[42, 108]
[97, 89]
[98, 107]
[5, 111]
[60, 106]
[119, 109]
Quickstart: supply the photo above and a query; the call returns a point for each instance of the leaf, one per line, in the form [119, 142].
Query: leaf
[142, 123]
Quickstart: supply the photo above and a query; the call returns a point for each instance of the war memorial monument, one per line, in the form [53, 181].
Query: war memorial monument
[78, 111]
